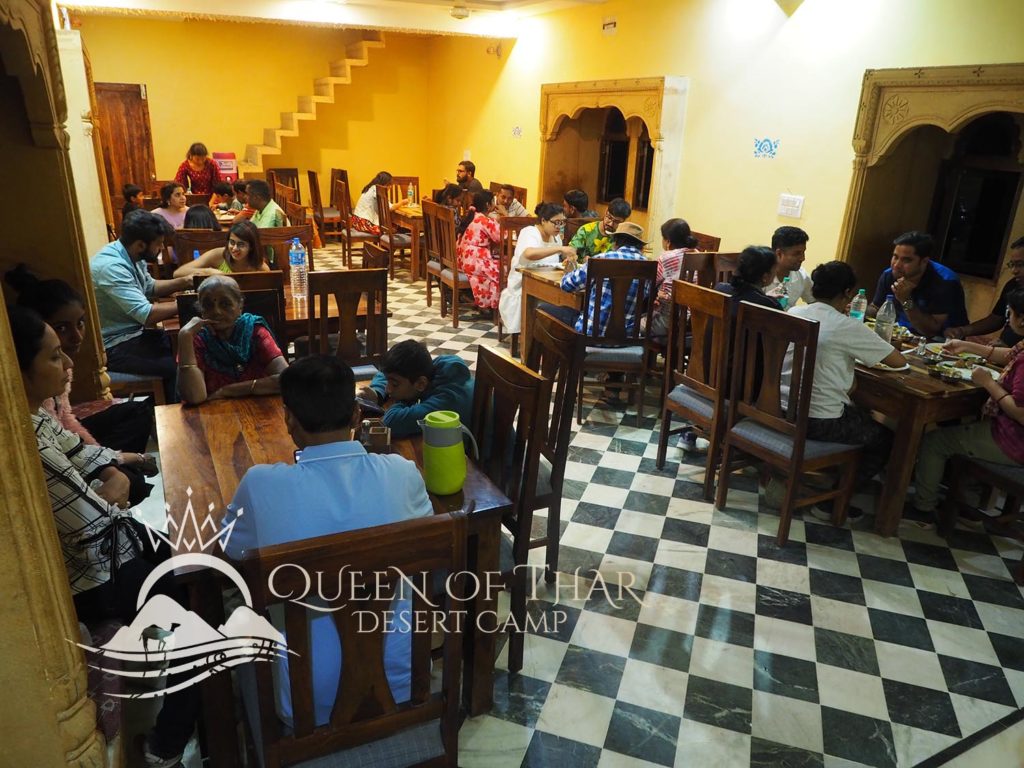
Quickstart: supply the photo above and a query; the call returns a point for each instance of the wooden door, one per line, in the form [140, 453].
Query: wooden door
[125, 137]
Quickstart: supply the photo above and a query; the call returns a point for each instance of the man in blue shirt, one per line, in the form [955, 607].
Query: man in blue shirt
[124, 293]
[334, 486]
[928, 295]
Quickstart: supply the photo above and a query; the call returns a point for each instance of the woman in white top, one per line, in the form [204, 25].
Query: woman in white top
[364, 215]
[539, 244]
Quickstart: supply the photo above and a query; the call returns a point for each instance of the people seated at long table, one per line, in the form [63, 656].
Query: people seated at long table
[594, 238]
[123, 428]
[790, 246]
[479, 240]
[998, 320]
[998, 436]
[93, 523]
[124, 293]
[241, 254]
[338, 487]
[411, 384]
[928, 295]
[225, 352]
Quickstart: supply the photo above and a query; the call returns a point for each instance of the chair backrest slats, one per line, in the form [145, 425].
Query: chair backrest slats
[725, 266]
[700, 316]
[338, 174]
[375, 257]
[288, 177]
[510, 227]
[186, 241]
[444, 233]
[519, 193]
[398, 189]
[268, 303]
[349, 289]
[616, 277]
[706, 242]
[699, 265]
[315, 202]
[430, 235]
[384, 211]
[280, 239]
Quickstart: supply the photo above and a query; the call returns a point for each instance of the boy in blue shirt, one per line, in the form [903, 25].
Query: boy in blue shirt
[411, 385]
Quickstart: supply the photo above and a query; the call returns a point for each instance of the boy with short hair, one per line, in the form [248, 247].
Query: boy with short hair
[221, 196]
[241, 198]
[411, 385]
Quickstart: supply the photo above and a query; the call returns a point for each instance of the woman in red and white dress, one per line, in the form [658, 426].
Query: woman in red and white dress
[479, 238]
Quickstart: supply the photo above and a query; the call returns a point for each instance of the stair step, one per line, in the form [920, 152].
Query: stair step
[332, 80]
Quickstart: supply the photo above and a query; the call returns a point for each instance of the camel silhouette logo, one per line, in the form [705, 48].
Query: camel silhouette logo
[166, 639]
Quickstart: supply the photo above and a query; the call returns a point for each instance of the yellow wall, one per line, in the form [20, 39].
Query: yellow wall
[753, 72]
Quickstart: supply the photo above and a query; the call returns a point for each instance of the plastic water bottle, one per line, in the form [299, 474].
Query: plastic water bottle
[195, 255]
[859, 306]
[784, 295]
[410, 193]
[297, 268]
[885, 320]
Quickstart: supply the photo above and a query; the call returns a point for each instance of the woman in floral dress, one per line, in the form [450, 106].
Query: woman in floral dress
[479, 239]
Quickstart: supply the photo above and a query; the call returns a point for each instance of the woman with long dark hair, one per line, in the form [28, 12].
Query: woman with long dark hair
[241, 254]
[676, 240]
[364, 215]
[479, 238]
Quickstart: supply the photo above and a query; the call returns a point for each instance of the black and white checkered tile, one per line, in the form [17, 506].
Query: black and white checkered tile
[840, 649]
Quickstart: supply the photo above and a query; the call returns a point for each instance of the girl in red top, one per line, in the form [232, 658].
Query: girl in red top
[999, 435]
[477, 250]
[198, 173]
[224, 352]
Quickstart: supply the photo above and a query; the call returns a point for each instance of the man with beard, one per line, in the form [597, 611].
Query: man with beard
[124, 293]
[999, 319]
[929, 297]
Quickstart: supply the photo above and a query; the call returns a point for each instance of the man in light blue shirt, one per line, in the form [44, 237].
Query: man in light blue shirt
[124, 292]
[334, 486]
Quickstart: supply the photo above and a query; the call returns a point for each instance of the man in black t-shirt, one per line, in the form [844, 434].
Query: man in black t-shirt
[998, 319]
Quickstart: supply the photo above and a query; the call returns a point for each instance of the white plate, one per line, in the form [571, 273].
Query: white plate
[965, 373]
[884, 367]
[936, 348]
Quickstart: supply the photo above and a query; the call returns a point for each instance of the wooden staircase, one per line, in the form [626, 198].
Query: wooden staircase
[357, 54]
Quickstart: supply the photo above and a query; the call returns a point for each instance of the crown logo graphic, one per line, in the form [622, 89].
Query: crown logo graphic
[191, 535]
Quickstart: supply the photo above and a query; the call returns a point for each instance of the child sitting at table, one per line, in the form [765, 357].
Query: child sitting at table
[132, 198]
[411, 385]
[241, 198]
[222, 196]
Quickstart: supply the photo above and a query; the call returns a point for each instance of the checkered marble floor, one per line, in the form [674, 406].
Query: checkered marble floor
[840, 649]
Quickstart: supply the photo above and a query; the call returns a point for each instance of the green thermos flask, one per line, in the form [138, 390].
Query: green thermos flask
[444, 457]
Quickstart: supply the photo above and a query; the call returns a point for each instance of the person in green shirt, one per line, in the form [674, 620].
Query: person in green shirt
[267, 213]
[595, 238]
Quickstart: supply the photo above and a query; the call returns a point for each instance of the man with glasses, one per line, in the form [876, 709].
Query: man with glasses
[596, 237]
[999, 319]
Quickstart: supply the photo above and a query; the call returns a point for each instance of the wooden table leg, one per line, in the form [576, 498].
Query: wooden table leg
[909, 429]
[415, 267]
[480, 646]
[526, 325]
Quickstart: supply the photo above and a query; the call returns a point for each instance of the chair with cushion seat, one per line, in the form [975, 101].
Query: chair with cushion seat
[509, 416]
[431, 249]
[618, 348]
[556, 353]
[327, 220]
[361, 341]
[698, 268]
[375, 257]
[451, 279]
[366, 726]
[396, 243]
[769, 425]
[510, 227]
[338, 174]
[695, 372]
[349, 237]
[129, 384]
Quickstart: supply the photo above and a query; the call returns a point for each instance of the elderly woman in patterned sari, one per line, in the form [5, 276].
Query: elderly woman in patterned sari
[225, 352]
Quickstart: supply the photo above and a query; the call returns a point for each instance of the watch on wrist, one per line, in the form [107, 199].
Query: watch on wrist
[908, 305]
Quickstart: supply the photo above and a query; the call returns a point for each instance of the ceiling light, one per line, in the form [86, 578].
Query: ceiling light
[459, 12]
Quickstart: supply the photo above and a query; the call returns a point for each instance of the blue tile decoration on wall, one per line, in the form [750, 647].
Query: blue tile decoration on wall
[765, 148]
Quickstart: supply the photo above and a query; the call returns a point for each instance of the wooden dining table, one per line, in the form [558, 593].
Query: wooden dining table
[411, 217]
[914, 400]
[204, 452]
[542, 284]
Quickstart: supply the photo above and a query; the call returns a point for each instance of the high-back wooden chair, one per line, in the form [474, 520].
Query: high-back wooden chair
[509, 418]
[571, 226]
[698, 268]
[270, 280]
[188, 241]
[338, 174]
[375, 257]
[762, 427]
[280, 239]
[394, 242]
[287, 176]
[431, 247]
[398, 190]
[350, 289]
[695, 369]
[725, 266]
[327, 219]
[284, 194]
[619, 347]
[349, 237]
[296, 214]
[510, 227]
[556, 353]
[398, 561]
[191, 199]
[151, 202]
[519, 193]
[450, 277]
[706, 242]
[268, 304]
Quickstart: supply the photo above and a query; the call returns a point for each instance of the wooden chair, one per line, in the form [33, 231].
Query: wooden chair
[519, 193]
[271, 280]
[725, 266]
[761, 427]
[338, 174]
[287, 176]
[268, 304]
[375, 257]
[396, 243]
[706, 242]
[509, 417]
[349, 237]
[510, 227]
[431, 247]
[131, 384]
[188, 241]
[327, 220]
[280, 239]
[150, 203]
[398, 190]
[284, 194]
[695, 373]
[571, 226]
[618, 347]
[296, 214]
[556, 353]
[361, 351]
[366, 726]
[191, 199]
[450, 276]
[698, 268]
